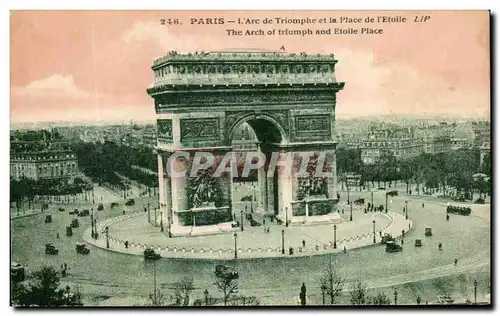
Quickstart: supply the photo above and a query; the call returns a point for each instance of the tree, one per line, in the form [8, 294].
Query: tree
[43, 291]
[332, 282]
[358, 294]
[246, 301]
[182, 290]
[379, 299]
[158, 299]
[227, 285]
[442, 285]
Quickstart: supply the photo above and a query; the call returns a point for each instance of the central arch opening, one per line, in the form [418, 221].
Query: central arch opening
[255, 194]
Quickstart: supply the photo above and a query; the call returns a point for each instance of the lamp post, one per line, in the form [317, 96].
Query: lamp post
[95, 228]
[406, 209]
[350, 218]
[235, 246]
[475, 291]
[149, 214]
[283, 241]
[323, 290]
[92, 224]
[206, 297]
[374, 241]
[334, 236]
[395, 298]
[286, 216]
[372, 196]
[242, 229]
[386, 210]
[161, 221]
[348, 196]
[107, 237]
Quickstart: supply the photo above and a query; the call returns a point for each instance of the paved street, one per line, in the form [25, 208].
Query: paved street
[100, 274]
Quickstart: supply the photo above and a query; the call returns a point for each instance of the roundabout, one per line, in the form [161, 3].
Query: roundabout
[251, 242]
[100, 275]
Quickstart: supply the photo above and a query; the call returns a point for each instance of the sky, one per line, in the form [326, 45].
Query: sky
[96, 65]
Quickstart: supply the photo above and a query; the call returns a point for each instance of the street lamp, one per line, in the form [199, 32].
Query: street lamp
[395, 298]
[107, 237]
[334, 236]
[92, 224]
[283, 241]
[161, 221]
[286, 216]
[386, 210]
[374, 241]
[348, 196]
[350, 218]
[406, 209]
[242, 229]
[235, 246]
[475, 291]
[372, 197]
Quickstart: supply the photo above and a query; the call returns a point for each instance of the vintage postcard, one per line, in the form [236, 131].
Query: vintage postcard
[250, 158]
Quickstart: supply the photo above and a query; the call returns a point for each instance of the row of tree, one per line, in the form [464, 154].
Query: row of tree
[441, 171]
[27, 189]
[103, 162]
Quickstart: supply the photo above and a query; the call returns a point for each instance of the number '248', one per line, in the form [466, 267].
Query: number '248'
[169, 21]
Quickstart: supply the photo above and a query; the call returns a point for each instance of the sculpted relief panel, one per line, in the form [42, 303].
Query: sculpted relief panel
[200, 129]
[312, 125]
[164, 130]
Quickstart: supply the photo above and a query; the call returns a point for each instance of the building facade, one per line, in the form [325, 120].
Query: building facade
[35, 160]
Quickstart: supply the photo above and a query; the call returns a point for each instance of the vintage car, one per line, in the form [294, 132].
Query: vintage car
[392, 193]
[82, 249]
[444, 299]
[386, 238]
[418, 242]
[75, 223]
[246, 198]
[48, 218]
[51, 250]
[61, 209]
[428, 231]
[150, 254]
[17, 273]
[100, 207]
[359, 201]
[460, 210]
[391, 246]
[114, 204]
[223, 271]
[130, 202]
[254, 223]
[84, 213]
[74, 212]
[69, 231]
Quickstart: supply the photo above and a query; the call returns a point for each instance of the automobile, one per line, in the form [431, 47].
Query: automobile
[82, 249]
[69, 231]
[48, 218]
[391, 246]
[114, 204]
[254, 223]
[386, 238]
[381, 188]
[17, 272]
[223, 271]
[428, 231]
[246, 198]
[51, 250]
[418, 242]
[130, 202]
[74, 212]
[444, 299]
[62, 209]
[84, 213]
[392, 193]
[150, 254]
[359, 201]
[100, 207]
[75, 223]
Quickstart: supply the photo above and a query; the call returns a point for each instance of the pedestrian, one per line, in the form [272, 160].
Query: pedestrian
[422, 205]
[456, 262]
[264, 221]
[65, 266]
[265, 229]
[440, 246]
[303, 243]
[268, 230]
[380, 233]
[58, 236]
[345, 249]
[402, 241]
